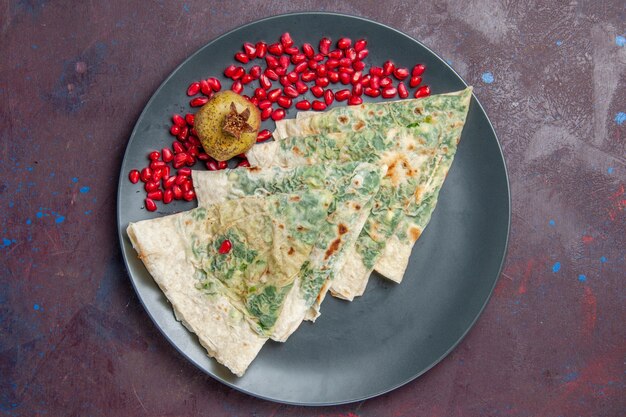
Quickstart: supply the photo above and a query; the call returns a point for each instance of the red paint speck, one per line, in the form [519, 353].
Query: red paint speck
[587, 239]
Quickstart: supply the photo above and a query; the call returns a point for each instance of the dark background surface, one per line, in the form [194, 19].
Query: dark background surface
[74, 339]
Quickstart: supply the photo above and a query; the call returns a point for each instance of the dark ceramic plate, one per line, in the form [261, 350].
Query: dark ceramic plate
[394, 333]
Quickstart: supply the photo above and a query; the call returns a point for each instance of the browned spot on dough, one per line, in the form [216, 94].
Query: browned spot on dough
[343, 229]
[334, 247]
[414, 233]
[297, 151]
[444, 148]
[281, 226]
[294, 198]
[370, 113]
[417, 110]
[419, 194]
[411, 147]
[300, 228]
[187, 222]
[254, 169]
[357, 206]
[399, 163]
[358, 125]
[343, 119]
[291, 251]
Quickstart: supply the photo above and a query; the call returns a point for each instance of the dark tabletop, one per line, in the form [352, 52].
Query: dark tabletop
[74, 339]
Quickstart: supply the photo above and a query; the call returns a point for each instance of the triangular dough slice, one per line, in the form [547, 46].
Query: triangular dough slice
[416, 139]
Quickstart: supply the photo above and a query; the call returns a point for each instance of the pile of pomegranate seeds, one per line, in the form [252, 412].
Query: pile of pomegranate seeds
[284, 75]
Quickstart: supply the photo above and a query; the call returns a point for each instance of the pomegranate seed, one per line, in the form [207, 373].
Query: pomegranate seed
[371, 92]
[355, 100]
[271, 74]
[242, 57]
[278, 114]
[312, 64]
[203, 156]
[190, 118]
[342, 95]
[423, 91]
[298, 58]
[318, 105]
[336, 54]
[388, 67]
[308, 50]
[344, 43]
[255, 71]
[260, 94]
[376, 71]
[322, 81]
[281, 71]
[292, 50]
[178, 148]
[150, 204]
[324, 46]
[356, 77]
[154, 165]
[157, 175]
[178, 120]
[182, 135]
[344, 78]
[178, 192]
[301, 87]
[290, 91]
[245, 163]
[292, 76]
[418, 70]
[166, 172]
[264, 82]
[205, 88]
[271, 62]
[254, 101]
[333, 76]
[198, 101]
[360, 45]
[332, 63]
[186, 186]
[401, 73]
[261, 49]
[318, 57]
[286, 40]
[402, 91]
[189, 195]
[264, 104]
[275, 49]
[284, 61]
[230, 70]
[180, 179]
[329, 97]
[184, 172]
[284, 102]
[263, 135]
[225, 247]
[301, 67]
[156, 195]
[154, 155]
[180, 159]
[347, 70]
[193, 89]
[317, 90]
[211, 165]
[415, 81]
[250, 50]
[308, 76]
[389, 92]
[214, 83]
[366, 80]
[266, 113]
[375, 82]
[273, 95]
[190, 160]
[169, 183]
[237, 87]
[357, 89]
[168, 196]
[151, 186]
[362, 54]
[358, 65]
[385, 82]
[145, 174]
[133, 176]
[322, 70]
[246, 79]
[351, 54]
[239, 72]
[303, 105]
[222, 164]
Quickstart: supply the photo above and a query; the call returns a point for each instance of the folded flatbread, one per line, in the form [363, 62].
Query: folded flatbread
[416, 139]
[353, 184]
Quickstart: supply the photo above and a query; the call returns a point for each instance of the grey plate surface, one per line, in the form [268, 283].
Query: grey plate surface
[394, 333]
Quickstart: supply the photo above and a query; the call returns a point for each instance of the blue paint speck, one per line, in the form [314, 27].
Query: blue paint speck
[559, 43]
[582, 278]
[36, 307]
[620, 118]
[487, 77]
[609, 170]
[84, 189]
[28, 221]
[11, 203]
[39, 215]
[29, 168]
[34, 46]
[6, 242]
[551, 222]
[603, 259]
[88, 212]
[186, 7]
[60, 219]
[74, 179]
[572, 376]
[620, 40]
[556, 267]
